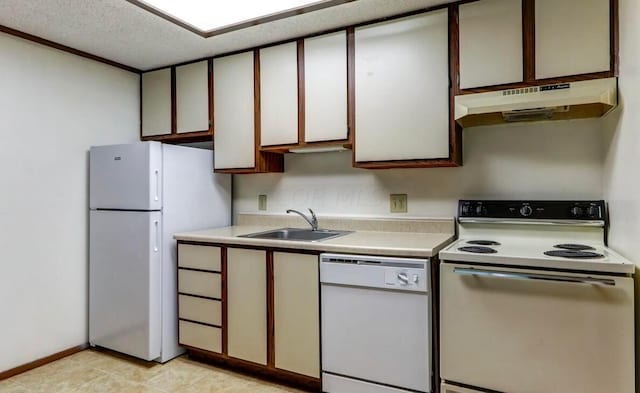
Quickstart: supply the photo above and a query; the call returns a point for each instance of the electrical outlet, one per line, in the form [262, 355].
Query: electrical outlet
[262, 202]
[398, 203]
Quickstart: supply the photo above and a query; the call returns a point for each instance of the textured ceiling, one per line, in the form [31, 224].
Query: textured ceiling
[119, 31]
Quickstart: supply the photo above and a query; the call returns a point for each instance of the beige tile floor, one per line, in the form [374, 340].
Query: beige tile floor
[92, 371]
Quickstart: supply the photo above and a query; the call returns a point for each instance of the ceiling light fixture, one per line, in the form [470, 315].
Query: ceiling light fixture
[209, 17]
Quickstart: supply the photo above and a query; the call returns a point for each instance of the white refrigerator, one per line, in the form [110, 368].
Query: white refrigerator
[140, 194]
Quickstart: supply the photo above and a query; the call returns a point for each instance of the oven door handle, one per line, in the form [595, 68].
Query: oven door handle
[534, 276]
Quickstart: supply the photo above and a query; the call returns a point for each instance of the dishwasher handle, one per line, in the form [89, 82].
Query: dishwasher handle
[535, 276]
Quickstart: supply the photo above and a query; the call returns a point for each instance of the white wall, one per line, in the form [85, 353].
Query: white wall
[622, 156]
[528, 161]
[53, 107]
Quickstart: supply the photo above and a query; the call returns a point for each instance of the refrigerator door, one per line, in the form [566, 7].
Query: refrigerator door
[126, 177]
[125, 282]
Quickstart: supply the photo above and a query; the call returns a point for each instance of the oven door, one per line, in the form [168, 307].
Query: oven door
[523, 331]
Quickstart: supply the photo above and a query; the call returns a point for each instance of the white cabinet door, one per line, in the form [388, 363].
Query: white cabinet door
[156, 102]
[247, 304]
[279, 95]
[234, 132]
[297, 313]
[192, 97]
[572, 37]
[325, 87]
[490, 43]
[402, 89]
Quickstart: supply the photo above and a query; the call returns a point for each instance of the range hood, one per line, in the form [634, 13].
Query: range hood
[561, 101]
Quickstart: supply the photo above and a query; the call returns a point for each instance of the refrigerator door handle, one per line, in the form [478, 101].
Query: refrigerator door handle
[155, 247]
[157, 175]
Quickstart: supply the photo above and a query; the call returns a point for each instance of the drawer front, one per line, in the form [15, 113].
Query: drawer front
[199, 257]
[446, 388]
[200, 336]
[199, 283]
[200, 310]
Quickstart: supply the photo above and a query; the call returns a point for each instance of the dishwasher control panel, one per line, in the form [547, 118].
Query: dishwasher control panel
[406, 274]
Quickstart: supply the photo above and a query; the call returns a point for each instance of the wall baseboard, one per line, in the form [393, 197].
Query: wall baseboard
[41, 362]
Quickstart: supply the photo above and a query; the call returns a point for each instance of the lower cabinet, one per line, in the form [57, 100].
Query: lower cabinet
[251, 308]
[296, 313]
[247, 304]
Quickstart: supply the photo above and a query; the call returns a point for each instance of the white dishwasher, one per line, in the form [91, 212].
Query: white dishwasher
[376, 324]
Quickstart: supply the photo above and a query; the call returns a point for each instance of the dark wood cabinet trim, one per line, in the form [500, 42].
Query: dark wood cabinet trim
[174, 104]
[301, 92]
[254, 369]
[199, 296]
[42, 361]
[614, 26]
[271, 336]
[198, 136]
[528, 40]
[210, 94]
[351, 84]
[64, 48]
[539, 82]
[455, 130]
[200, 323]
[225, 303]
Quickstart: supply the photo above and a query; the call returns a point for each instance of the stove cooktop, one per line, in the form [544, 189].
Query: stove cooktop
[537, 253]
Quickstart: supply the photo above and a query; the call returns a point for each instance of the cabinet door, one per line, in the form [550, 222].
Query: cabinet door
[279, 95]
[325, 87]
[192, 97]
[572, 37]
[297, 313]
[402, 89]
[234, 132]
[490, 43]
[247, 305]
[156, 102]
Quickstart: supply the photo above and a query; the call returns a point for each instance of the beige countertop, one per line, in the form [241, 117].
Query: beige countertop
[409, 237]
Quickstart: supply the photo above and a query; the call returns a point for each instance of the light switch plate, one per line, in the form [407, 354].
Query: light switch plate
[262, 202]
[398, 203]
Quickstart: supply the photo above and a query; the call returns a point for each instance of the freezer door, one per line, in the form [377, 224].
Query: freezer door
[125, 281]
[127, 177]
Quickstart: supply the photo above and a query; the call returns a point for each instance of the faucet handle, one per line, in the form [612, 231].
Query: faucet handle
[314, 220]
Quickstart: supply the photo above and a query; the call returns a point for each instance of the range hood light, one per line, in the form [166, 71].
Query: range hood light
[324, 149]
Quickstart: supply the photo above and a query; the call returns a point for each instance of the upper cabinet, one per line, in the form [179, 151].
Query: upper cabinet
[156, 103]
[279, 95]
[572, 37]
[236, 135]
[402, 89]
[234, 123]
[490, 43]
[325, 88]
[176, 103]
[192, 97]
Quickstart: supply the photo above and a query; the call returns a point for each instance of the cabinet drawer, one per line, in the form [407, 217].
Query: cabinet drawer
[200, 310]
[200, 336]
[199, 283]
[199, 257]
[446, 388]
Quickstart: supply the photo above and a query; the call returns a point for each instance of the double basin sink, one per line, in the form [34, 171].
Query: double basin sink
[297, 234]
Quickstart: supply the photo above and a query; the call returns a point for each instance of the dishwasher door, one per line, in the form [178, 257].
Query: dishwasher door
[376, 334]
[530, 331]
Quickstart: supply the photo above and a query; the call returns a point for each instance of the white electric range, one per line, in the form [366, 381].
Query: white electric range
[532, 300]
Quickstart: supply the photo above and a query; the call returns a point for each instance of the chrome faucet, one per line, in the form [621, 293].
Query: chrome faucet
[313, 221]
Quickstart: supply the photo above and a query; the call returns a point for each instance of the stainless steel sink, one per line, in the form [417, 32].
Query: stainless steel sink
[297, 234]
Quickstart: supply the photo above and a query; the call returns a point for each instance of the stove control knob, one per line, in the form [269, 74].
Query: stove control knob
[466, 210]
[577, 211]
[481, 210]
[593, 212]
[526, 211]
